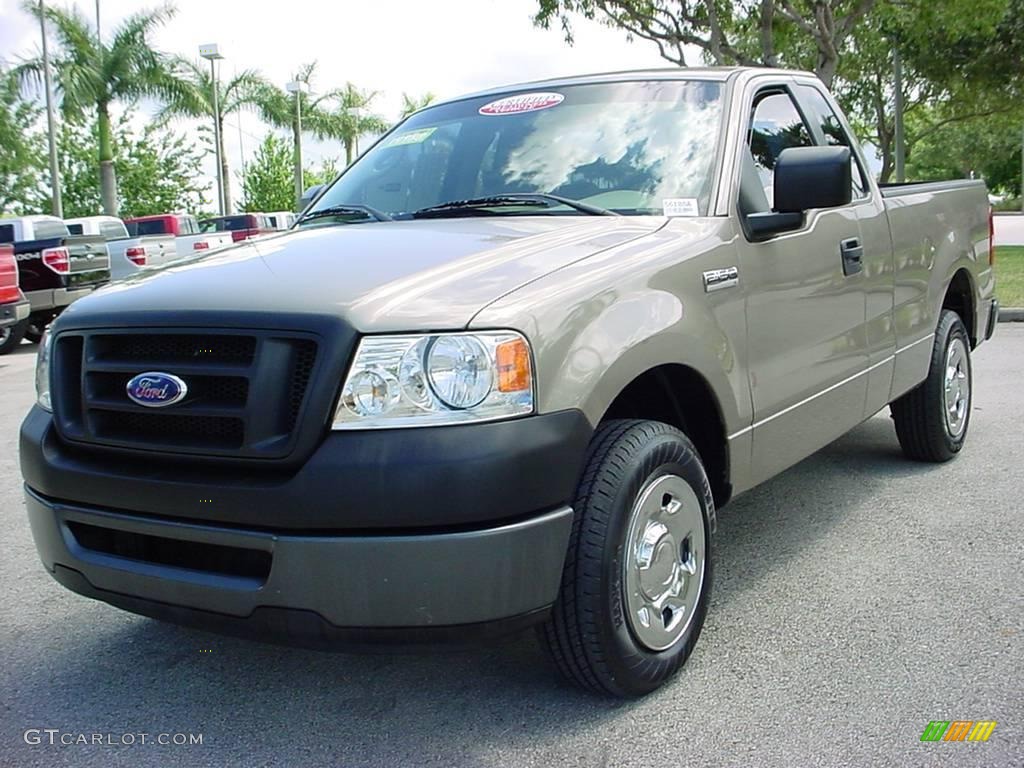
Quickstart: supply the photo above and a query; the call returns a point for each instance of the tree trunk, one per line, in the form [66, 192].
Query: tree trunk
[224, 175]
[826, 69]
[348, 150]
[297, 159]
[108, 177]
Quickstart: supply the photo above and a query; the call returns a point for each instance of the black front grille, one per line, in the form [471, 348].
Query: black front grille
[193, 555]
[169, 429]
[175, 348]
[246, 390]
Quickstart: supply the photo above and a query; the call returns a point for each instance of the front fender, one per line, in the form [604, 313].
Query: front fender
[597, 325]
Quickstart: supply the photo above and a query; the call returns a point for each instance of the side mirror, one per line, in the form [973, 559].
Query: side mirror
[309, 195]
[805, 178]
[812, 177]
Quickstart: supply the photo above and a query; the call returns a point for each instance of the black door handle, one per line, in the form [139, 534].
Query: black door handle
[852, 253]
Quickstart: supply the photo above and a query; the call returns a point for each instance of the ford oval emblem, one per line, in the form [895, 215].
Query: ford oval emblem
[156, 390]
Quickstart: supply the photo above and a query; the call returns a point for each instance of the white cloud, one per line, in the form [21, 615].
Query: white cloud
[447, 47]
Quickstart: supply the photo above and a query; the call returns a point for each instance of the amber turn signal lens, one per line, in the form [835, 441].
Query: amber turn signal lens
[513, 360]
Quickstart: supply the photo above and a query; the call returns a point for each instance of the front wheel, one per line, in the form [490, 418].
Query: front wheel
[11, 336]
[637, 577]
[932, 419]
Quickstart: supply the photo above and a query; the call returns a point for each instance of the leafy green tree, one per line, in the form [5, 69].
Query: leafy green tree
[811, 34]
[91, 75]
[194, 99]
[412, 104]
[269, 178]
[23, 167]
[325, 174]
[936, 97]
[965, 58]
[158, 170]
[985, 147]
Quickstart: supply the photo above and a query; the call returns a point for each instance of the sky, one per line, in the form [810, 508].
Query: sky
[447, 47]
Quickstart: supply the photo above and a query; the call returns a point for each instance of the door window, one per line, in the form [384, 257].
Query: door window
[823, 116]
[776, 125]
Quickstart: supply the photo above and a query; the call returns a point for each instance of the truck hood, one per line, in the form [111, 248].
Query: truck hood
[382, 276]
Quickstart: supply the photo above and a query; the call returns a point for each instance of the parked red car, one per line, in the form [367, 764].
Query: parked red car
[242, 226]
[14, 307]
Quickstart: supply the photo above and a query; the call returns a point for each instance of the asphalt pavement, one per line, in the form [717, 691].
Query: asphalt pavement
[858, 597]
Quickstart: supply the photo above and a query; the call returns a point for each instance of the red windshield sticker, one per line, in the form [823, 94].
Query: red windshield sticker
[526, 102]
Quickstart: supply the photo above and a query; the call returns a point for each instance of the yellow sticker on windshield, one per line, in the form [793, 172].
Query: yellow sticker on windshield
[410, 137]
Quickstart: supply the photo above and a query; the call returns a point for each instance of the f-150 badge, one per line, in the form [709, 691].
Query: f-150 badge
[717, 279]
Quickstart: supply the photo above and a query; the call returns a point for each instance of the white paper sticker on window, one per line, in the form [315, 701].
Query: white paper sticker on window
[410, 137]
[680, 206]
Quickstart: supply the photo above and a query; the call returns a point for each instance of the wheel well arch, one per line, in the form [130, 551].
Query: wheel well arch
[679, 395]
[959, 298]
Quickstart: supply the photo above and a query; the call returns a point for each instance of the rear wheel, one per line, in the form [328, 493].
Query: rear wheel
[37, 324]
[637, 577]
[932, 419]
[11, 336]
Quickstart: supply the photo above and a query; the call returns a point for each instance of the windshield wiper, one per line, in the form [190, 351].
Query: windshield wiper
[347, 208]
[530, 199]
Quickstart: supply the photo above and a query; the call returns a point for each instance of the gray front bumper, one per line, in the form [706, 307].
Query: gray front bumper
[357, 581]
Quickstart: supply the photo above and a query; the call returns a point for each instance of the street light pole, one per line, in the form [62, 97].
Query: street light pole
[58, 206]
[297, 87]
[212, 52]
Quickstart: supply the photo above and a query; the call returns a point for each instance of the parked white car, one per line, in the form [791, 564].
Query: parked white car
[128, 254]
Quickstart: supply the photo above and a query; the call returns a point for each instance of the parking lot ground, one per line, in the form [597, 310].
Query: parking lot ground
[858, 596]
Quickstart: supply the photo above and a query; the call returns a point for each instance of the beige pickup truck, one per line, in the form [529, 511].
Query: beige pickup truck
[505, 369]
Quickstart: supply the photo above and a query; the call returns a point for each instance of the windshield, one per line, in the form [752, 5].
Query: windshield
[632, 148]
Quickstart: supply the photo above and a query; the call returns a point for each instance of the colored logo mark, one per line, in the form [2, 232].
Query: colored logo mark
[958, 730]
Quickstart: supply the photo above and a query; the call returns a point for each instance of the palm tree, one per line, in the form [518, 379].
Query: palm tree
[351, 118]
[277, 107]
[91, 75]
[412, 104]
[193, 97]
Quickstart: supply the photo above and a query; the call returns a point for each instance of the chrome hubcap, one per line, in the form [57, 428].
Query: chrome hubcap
[957, 384]
[664, 561]
[5, 334]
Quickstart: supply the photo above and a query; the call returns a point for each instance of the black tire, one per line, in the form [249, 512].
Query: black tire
[11, 336]
[34, 333]
[588, 635]
[922, 426]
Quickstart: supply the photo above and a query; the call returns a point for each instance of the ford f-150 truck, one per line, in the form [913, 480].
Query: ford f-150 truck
[55, 268]
[129, 254]
[188, 237]
[505, 370]
[241, 226]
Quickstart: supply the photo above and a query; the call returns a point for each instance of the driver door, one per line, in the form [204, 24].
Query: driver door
[805, 316]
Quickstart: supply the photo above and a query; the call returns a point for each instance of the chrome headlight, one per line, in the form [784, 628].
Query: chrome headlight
[452, 378]
[43, 371]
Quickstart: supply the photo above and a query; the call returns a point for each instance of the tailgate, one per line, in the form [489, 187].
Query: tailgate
[159, 249]
[90, 260]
